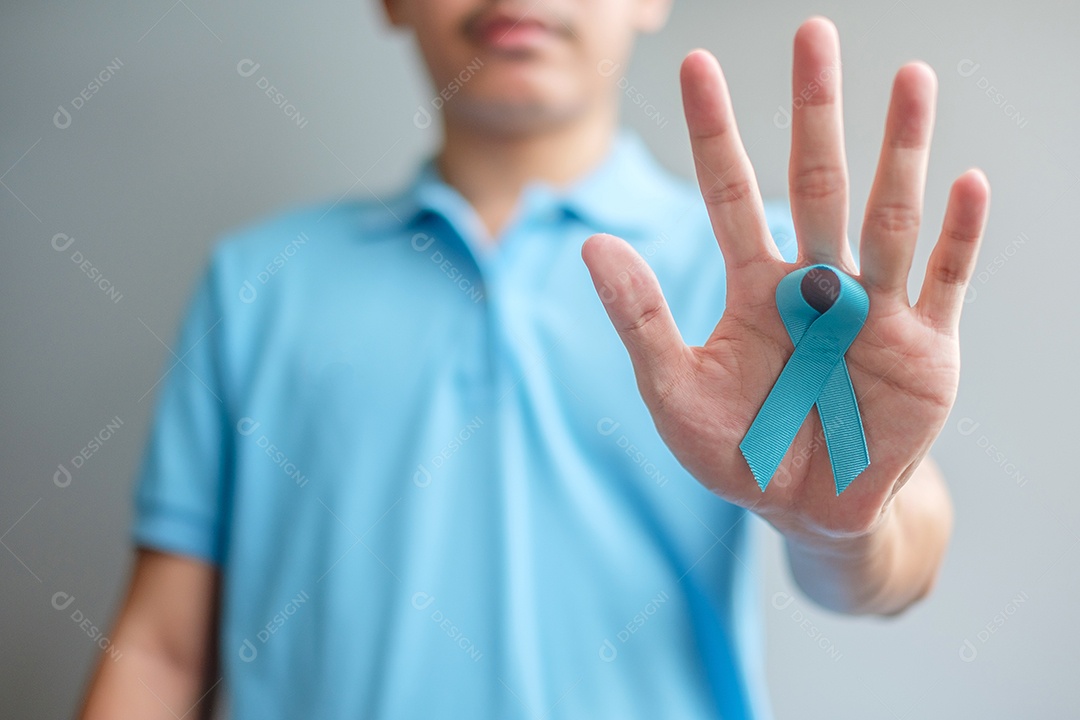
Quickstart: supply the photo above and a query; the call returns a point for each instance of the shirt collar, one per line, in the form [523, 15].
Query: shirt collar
[618, 196]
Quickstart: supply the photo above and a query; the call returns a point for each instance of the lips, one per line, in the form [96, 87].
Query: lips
[505, 31]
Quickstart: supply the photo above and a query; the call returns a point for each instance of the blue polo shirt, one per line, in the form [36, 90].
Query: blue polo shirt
[422, 464]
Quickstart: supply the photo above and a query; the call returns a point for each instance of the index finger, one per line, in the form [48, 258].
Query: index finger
[724, 172]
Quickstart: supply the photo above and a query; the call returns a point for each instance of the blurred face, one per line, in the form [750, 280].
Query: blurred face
[524, 66]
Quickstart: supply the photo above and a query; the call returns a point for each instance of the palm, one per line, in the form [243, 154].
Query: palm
[904, 363]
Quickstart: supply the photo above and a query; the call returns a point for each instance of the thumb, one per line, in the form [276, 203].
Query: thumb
[631, 294]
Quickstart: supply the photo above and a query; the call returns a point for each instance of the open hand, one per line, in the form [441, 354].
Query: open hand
[904, 364]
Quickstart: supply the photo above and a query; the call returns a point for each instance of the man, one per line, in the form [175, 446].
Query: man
[405, 474]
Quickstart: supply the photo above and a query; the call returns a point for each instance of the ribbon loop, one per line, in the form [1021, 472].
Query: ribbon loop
[823, 309]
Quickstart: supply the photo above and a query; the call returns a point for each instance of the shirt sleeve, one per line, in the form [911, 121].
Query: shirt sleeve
[182, 485]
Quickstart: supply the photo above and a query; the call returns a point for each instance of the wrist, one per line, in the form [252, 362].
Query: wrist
[868, 542]
[849, 574]
[812, 538]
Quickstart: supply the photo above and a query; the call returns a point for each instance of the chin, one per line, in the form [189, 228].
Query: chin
[516, 117]
[520, 101]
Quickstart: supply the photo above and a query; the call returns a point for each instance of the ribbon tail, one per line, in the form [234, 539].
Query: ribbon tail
[842, 423]
[786, 407]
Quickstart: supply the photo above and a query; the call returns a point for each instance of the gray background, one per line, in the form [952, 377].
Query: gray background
[177, 147]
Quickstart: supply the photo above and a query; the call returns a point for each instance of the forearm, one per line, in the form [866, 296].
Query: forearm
[165, 664]
[892, 567]
[146, 685]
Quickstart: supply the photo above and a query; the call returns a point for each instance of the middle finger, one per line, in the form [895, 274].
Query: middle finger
[817, 172]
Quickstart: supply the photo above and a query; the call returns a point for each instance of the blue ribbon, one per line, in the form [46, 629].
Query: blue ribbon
[823, 310]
